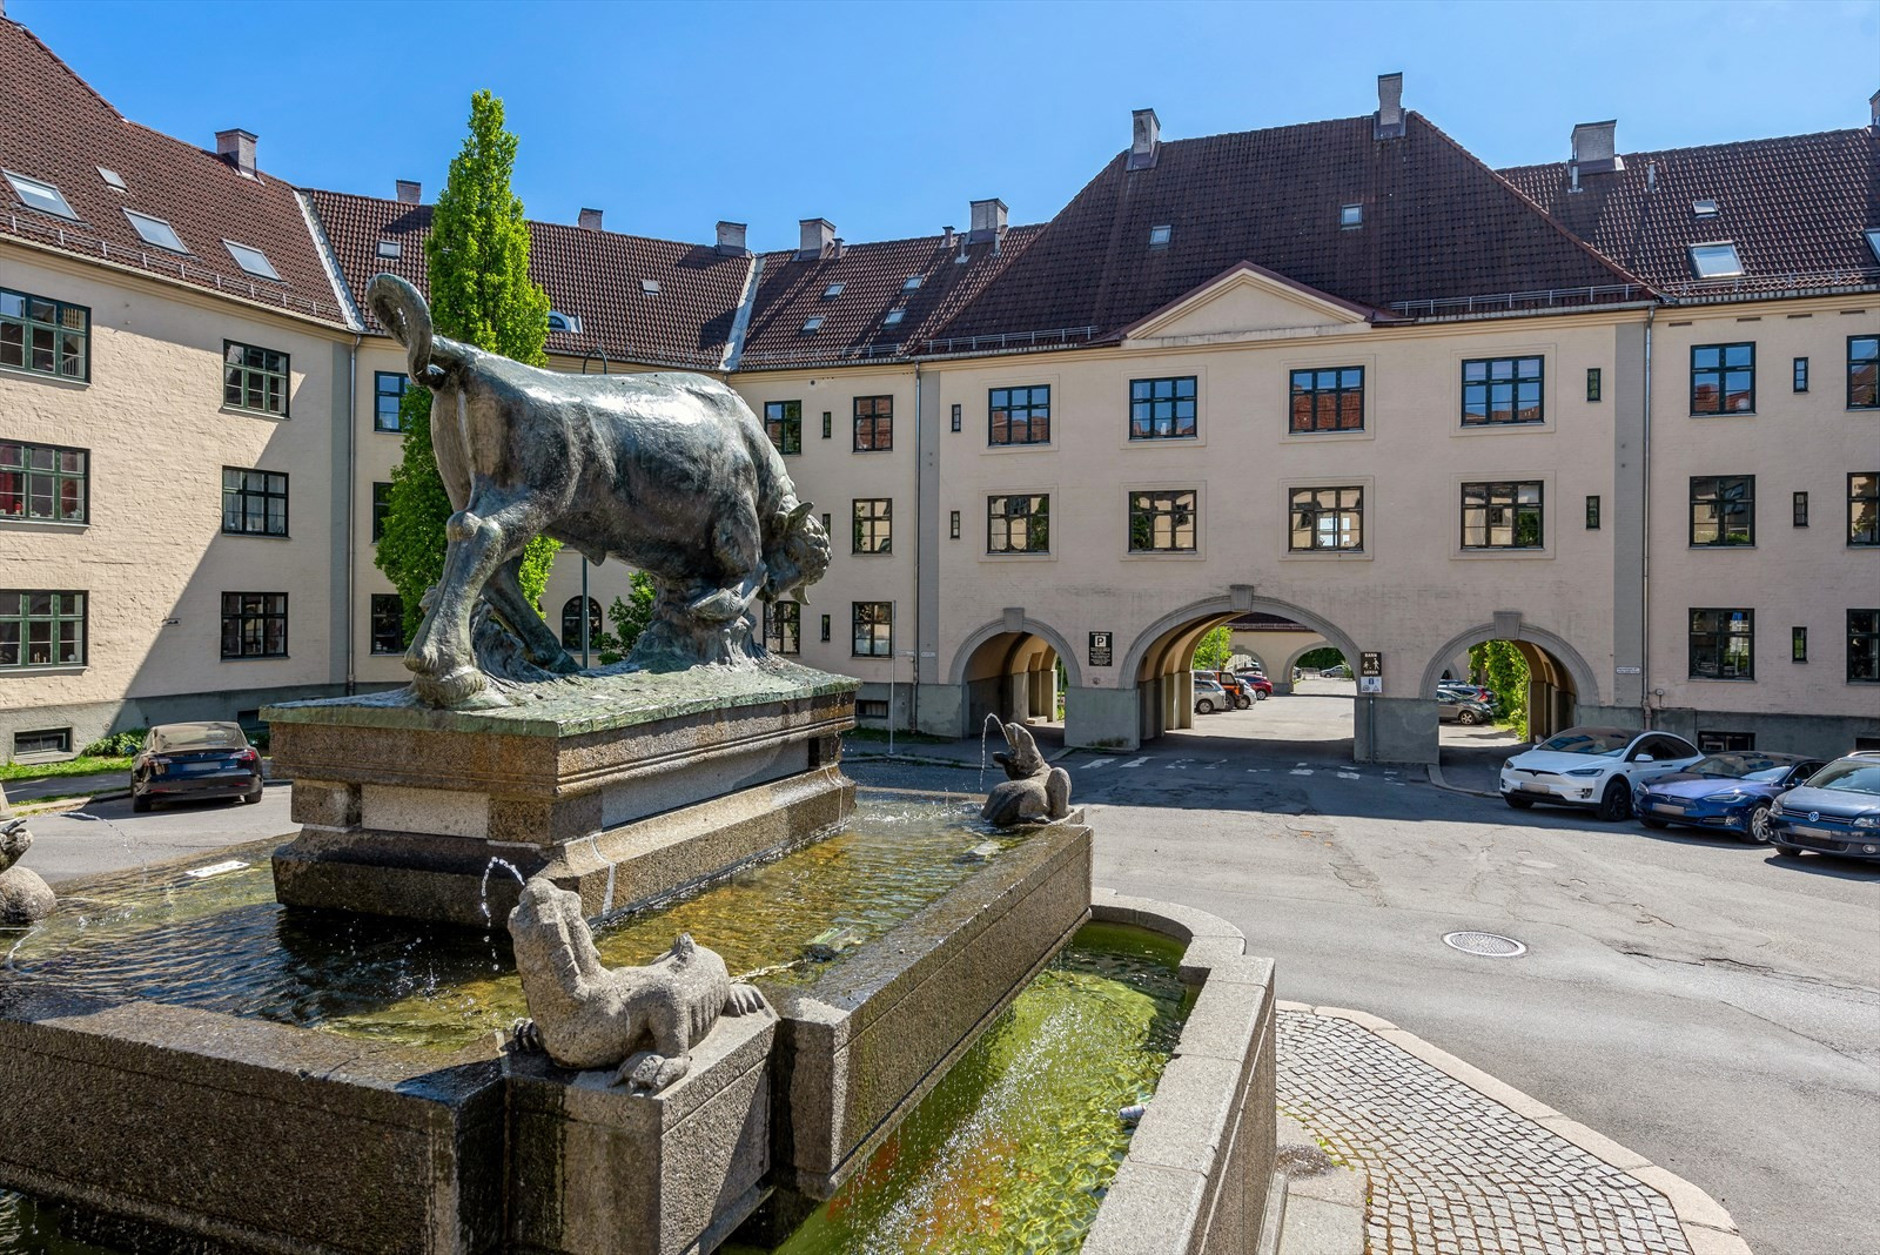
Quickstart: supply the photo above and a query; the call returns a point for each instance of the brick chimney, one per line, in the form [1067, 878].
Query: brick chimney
[590, 220]
[1594, 150]
[410, 192]
[237, 147]
[1389, 123]
[988, 221]
[731, 240]
[1145, 139]
[818, 234]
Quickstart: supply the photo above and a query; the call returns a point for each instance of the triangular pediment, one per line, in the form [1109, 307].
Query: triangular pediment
[1248, 300]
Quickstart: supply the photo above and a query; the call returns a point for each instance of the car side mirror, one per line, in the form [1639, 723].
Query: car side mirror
[1644, 758]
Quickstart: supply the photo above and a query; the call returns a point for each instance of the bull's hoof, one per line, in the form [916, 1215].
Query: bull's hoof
[454, 690]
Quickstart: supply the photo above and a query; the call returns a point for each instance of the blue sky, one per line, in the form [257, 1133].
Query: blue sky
[888, 118]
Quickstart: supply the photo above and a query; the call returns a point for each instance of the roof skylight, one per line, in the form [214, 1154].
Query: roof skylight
[1160, 236]
[391, 248]
[558, 321]
[913, 281]
[1873, 241]
[1717, 260]
[1704, 208]
[894, 316]
[650, 286]
[812, 324]
[113, 178]
[1351, 215]
[41, 196]
[832, 291]
[156, 231]
[253, 260]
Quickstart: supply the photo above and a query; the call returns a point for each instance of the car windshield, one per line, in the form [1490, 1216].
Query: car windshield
[1588, 741]
[205, 736]
[1852, 776]
[1741, 767]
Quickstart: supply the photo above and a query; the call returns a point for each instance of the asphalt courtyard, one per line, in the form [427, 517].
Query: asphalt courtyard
[1698, 1000]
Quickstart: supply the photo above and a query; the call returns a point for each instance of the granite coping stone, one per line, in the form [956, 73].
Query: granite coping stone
[1150, 1210]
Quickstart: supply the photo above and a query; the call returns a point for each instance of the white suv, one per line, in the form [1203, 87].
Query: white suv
[1594, 767]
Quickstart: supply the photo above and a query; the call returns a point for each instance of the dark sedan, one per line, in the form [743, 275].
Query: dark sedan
[195, 760]
[1732, 792]
[1836, 811]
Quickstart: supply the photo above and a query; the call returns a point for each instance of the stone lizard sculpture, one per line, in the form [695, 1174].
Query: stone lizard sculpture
[1036, 792]
[586, 1016]
[24, 897]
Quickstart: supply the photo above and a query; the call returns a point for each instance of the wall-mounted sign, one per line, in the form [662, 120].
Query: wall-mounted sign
[1370, 662]
[1100, 649]
[1626, 670]
[1371, 684]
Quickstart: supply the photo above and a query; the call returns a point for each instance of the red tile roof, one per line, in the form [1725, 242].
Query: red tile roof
[1795, 207]
[593, 275]
[56, 129]
[1437, 224]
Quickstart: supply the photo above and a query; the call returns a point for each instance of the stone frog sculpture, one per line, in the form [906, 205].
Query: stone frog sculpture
[643, 1019]
[1035, 793]
[24, 897]
[669, 472]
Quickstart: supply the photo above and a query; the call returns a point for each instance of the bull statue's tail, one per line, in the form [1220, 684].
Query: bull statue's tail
[404, 313]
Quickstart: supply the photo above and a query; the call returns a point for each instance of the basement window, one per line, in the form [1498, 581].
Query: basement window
[1350, 216]
[1716, 260]
[558, 321]
[112, 178]
[252, 260]
[650, 287]
[41, 196]
[156, 232]
[811, 325]
[391, 249]
[1159, 236]
[831, 292]
[1704, 208]
[894, 316]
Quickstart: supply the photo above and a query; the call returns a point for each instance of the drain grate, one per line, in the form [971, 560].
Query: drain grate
[1486, 945]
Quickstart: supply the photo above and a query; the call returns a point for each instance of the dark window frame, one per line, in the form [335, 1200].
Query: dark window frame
[385, 625]
[1863, 391]
[1722, 630]
[60, 738]
[1595, 383]
[16, 628]
[19, 478]
[1031, 524]
[381, 508]
[1592, 513]
[877, 413]
[825, 629]
[1724, 742]
[783, 628]
[878, 618]
[1151, 408]
[1863, 534]
[1798, 644]
[30, 325]
[1798, 509]
[1723, 508]
[1485, 391]
[251, 626]
[1798, 378]
[953, 526]
[1324, 398]
[1719, 375]
[1004, 404]
[872, 531]
[1863, 647]
[571, 622]
[1315, 510]
[238, 377]
[244, 494]
[1149, 506]
[380, 394]
[1489, 503]
[783, 423]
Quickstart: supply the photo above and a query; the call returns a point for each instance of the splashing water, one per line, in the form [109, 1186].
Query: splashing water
[992, 721]
[485, 893]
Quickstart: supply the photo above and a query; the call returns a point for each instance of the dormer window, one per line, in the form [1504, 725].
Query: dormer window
[913, 281]
[1704, 208]
[252, 260]
[1159, 236]
[832, 291]
[812, 325]
[392, 250]
[558, 321]
[156, 232]
[1716, 260]
[112, 179]
[41, 196]
[650, 287]
[894, 316]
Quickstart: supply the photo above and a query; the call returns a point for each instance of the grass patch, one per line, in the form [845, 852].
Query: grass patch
[81, 766]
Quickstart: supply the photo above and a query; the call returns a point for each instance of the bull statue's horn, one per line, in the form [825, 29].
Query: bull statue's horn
[403, 311]
[798, 513]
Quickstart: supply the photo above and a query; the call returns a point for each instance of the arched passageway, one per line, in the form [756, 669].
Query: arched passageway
[1558, 683]
[1012, 675]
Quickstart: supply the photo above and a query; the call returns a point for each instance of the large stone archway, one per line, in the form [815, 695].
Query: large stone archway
[1007, 668]
[1563, 688]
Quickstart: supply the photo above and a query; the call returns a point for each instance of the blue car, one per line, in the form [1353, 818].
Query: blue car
[1836, 811]
[1733, 792]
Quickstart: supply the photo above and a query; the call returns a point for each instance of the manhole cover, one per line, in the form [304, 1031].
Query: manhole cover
[1487, 945]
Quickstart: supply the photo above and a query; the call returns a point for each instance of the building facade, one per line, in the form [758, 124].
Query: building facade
[1619, 410]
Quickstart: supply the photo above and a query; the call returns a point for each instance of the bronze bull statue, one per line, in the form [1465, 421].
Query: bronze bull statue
[671, 473]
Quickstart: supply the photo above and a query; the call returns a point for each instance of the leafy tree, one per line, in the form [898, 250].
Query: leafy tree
[1319, 659]
[481, 294]
[629, 617]
[1214, 649]
[1506, 673]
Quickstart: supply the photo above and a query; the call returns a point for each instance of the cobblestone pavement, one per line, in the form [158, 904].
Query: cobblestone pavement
[1452, 1171]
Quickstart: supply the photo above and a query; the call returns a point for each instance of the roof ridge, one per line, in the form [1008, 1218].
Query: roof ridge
[1850, 132]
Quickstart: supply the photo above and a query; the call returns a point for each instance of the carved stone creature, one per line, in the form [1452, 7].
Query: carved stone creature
[669, 472]
[24, 897]
[1036, 792]
[586, 1016]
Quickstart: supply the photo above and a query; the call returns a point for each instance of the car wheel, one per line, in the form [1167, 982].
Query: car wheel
[1758, 826]
[1204, 707]
[140, 803]
[1243, 703]
[1466, 717]
[1652, 822]
[1616, 802]
[252, 799]
[1517, 801]
[1783, 851]
[1259, 695]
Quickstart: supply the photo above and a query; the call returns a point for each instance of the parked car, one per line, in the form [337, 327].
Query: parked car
[1734, 792]
[1474, 692]
[195, 760]
[1462, 706]
[1340, 672]
[1593, 767]
[1237, 688]
[1210, 696]
[1262, 687]
[1834, 811]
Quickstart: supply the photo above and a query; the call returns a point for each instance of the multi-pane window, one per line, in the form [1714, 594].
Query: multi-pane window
[388, 393]
[1327, 518]
[41, 629]
[1723, 644]
[1019, 415]
[254, 503]
[1723, 509]
[825, 629]
[388, 623]
[783, 627]
[44, 483]
[874, 524]
[1863, 646]
[1162, 521]
[571, 622]
[1800, 381]
[1328, 400]
[1725, 742]
[1502, 515]
[1162, 409]
[1863, 509]
[1592, 383]
[254, 379]
[1018, 524]
[874, 424]
[1798, 509]
[783, 423]
[1798, 644]
[381, 509]
[254, 625]
[1863, 372]
[1501, 390]
[1592, 514]
[874, 629]
[1723, 378]
[45, 336]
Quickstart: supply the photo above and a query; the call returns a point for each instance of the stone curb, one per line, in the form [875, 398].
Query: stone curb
[1706, 1223]
[1436, 778]
[78, 801]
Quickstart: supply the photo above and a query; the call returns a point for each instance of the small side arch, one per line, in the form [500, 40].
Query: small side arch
[963, 656]
[1585, 679]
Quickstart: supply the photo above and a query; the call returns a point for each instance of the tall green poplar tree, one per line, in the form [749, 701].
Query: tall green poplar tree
[481, 294]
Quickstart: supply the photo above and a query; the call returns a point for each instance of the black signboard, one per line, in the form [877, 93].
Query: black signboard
[1370, 662]
[1100, 649]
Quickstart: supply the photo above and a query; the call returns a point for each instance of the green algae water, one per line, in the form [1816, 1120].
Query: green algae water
[1015, 1148]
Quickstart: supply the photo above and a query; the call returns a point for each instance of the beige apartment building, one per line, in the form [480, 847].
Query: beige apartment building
[1340, 376]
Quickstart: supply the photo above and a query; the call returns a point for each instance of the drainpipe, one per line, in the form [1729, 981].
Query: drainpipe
[1645, 539]
[920, 516]
[352, 504]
